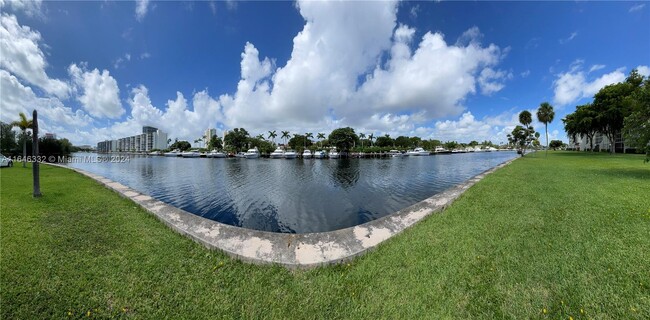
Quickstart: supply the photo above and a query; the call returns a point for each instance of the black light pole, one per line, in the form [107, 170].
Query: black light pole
[35, 173]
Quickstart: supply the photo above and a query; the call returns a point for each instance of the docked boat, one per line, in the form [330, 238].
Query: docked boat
[240, 154]
[306, 154]
[252, 153]
[418, 152]
[191, 154]
[334, 154]
[173, 153]
[216, 154]
[154, 153]
[277, 154]
[440, 149]
[395, 154]
[290, 154]
[320, 154]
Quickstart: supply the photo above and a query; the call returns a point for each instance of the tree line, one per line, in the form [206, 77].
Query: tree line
[621, 109]
[344, 139]
[11, 144]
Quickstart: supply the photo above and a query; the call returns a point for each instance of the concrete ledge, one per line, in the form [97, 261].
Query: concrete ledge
[291, 250]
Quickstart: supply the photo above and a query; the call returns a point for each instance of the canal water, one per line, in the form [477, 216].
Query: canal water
[297, 195]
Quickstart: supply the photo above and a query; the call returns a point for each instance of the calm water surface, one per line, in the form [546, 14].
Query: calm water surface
[295, 196]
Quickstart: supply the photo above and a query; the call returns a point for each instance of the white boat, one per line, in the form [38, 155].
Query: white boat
[252, 153]
[173, 153]
[306, 154]
[240, 154]
[155, 153]
[191, 154]
[320, 154]
[395, 154]
[440, 149]
[418, 152]
[216, 154]
[334, 154]
[490, 149]
[277, 154]
[290, 154]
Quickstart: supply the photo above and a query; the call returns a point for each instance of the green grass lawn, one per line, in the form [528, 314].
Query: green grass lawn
[546, 238]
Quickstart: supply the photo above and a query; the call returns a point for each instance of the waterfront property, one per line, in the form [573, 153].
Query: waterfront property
[525, 242]
[150, 139]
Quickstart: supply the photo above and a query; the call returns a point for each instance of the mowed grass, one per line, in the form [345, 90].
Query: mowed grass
[543, 238]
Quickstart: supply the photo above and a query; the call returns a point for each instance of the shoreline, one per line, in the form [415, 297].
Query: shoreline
[305, 250]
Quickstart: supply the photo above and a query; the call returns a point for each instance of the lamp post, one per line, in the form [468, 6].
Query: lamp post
[35, 171]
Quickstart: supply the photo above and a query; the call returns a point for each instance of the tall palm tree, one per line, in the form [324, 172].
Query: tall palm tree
[307, 136]
[260, 136]
[545, 115]
[272, 136]
[23, 124]
[370, 137]
[525, 118]
[362, 136]
[320, 137]
[285, 136]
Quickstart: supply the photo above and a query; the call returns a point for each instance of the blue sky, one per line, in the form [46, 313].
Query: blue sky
[444, 70]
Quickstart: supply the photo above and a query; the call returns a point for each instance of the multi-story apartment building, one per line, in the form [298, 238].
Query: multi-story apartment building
[150, 138]
[600, 143]
[209, 134]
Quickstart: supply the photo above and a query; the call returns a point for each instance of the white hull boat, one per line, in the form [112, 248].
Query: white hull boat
[290, 154]
[252, 154]
[395, 154]
[191, 154]
[306, 154]
[174, 153]
[320, 154]
[277, 154]
[216, 154]
[418, 152]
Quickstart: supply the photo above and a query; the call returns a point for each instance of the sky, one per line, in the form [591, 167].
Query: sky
[445, 70]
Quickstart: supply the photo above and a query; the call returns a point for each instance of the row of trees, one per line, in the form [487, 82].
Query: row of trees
[524, 136]
[11, 144]
[617, 109]
[344, 139]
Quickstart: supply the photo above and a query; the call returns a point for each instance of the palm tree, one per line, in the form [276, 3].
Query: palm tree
[23, 124]
[545, 115]
[285, 136]
[370, 137]
[307, 136]
[525, 118]
[320, 137]
[260, 136]
[362, 136]
[272, 136]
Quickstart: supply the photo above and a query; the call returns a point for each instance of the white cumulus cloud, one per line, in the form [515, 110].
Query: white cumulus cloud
[53, 114]
[573, 85]
[22, 56]
[100, 95]
[32, 8]
[353, 65]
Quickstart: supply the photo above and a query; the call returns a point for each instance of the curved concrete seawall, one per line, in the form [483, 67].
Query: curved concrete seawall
[291, 250]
